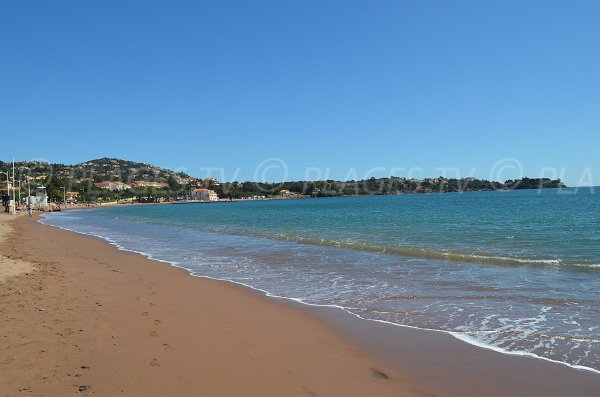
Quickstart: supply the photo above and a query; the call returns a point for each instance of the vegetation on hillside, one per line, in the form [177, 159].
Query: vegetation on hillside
[380, 186]
[58, 179]
[80, 178]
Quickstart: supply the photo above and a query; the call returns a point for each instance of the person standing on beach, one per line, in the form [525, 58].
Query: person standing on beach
[6, 202]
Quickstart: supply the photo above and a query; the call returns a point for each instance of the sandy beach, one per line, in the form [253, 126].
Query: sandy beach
[10, 267]
[80, 316]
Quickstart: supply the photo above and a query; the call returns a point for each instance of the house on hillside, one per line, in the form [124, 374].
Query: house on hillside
[72, 197]
[210, 182]
[112, 186]
[149, 184]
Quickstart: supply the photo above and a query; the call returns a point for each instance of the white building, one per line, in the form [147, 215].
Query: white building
[203, 194]
[112, 185]
[40, 199]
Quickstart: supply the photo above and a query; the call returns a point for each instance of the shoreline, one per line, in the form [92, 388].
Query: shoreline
[451, 367]
[437, 361]
[99, 321]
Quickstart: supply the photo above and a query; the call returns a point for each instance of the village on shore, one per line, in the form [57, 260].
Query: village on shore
[49, 187]
[115, 193]
[107, 181]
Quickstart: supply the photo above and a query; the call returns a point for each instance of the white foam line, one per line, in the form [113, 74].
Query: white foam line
[510, 258]
[462, 337]
[116, 245]
[475, 342]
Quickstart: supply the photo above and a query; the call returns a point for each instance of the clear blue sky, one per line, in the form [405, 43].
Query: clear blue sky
[349, 88]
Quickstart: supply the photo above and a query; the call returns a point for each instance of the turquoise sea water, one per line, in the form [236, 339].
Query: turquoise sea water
[515, 271]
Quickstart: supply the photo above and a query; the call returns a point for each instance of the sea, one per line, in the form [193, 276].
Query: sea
[513, 271]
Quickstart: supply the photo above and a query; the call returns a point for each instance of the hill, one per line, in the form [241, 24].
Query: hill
[81, 178]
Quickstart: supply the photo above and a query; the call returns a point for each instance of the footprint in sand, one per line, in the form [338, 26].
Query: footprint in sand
[157, 322]
[378, 374]
[153, 334]
[151, 304]
[145, 314]
[167, 348]
[154, 363]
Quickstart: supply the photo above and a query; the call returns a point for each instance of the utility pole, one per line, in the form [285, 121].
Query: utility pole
[28, 186]
[12, 207]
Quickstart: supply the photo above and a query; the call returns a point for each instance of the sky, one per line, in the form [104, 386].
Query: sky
[315, 89]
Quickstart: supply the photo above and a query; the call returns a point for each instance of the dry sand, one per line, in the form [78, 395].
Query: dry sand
[10, 267]
[79, 316]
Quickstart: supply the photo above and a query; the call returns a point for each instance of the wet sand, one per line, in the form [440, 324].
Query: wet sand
[115, 323]
[448, 367]
[93, 320]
